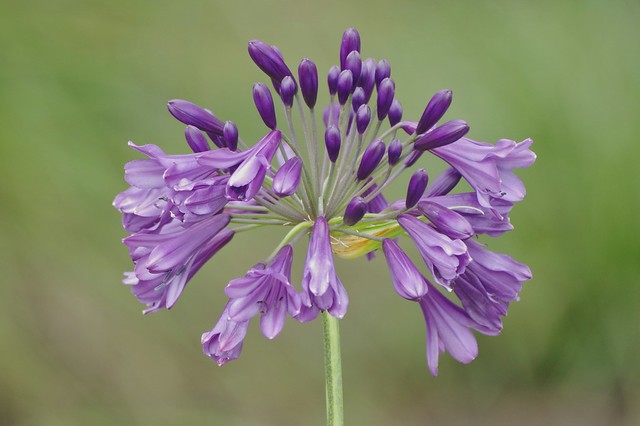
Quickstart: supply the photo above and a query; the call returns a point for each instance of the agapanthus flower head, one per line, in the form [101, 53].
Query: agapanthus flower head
[327, 183]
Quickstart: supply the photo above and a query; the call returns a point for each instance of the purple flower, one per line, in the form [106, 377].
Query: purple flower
[322, 287]
[180, 210]
[489, 168]
[224, 342]
[446, 258]
[448, 328]
[265, 290]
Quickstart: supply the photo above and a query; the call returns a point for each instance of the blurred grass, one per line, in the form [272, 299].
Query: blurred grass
[77, 79]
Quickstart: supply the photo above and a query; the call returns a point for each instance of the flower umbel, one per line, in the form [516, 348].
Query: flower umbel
[328, 184]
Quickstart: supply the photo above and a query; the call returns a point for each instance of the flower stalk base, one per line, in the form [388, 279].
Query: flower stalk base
[333, 370]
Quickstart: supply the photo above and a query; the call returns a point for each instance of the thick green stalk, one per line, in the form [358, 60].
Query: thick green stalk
[332, 370]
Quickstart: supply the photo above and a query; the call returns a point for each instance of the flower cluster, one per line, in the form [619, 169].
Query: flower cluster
[182, 209]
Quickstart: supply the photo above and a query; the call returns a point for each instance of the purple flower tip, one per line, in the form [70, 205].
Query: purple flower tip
[191, 114]
[308, 77]
[196, 140]
[407, 280]
[363, 116]
[345, 84]
[332, 142]
[417, 185]
[450, 223]
[287, 178]
[395, 112]
[350, 43]
[332, 79]
[386, 92]
[371, 158]
[264, 104]
[230, 134]
[355, 211]
[394, 152]
[287, 91]
[269, 60]
[354, 64]
[358, 98]
[442, 135]
[434, 111]
[383, 70]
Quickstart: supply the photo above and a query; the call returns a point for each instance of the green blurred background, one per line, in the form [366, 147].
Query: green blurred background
[80, 78]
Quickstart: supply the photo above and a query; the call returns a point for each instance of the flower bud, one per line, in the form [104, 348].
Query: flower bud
[308, 77]
[354, 64]
[355, 211]
[264, 104]
[371, 158]
[450, 223]
[434, 111]
[345, 83]
[230, 134]
[394, 152]
[332, 142]
[386, 91]
[332, 112]
[196, 140]
[332, 79]
[417, 185]
[395, 112]
[191, 114]
[383, 70]
[368, 78]
[444, 183]
[287, 178]
[269, 60]
[357, 99]
[363, 117]
[412, 158]
[442, 135]
[407, 280]
[350, 43]
[287, 91]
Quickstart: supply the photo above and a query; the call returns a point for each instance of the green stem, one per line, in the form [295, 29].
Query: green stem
[332, 370]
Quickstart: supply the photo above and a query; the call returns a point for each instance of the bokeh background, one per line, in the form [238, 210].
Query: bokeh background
[80, 78]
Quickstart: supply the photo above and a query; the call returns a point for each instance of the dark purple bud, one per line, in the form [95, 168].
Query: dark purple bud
[434, 111]
[308, 76]
[412, 158]
[386, 91]
[287, 91]
[287, 178]
[350, 42]
[363, 117]
[230, 133]
[345, 83]
[368, 77]
[417, 185]
[332, 79]
[354, 64]
[442, 135]
[383, 70]
[395, 112]
[357, 99]
[196, 140]
[264, 104]
[355, 211]
[394, 152]
[191, 114]
[371, 158]
[332, 142]
[269, 60]
[444, 183]
[450, 223]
